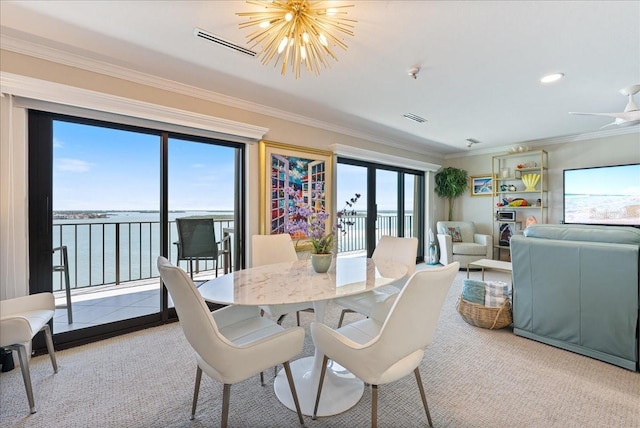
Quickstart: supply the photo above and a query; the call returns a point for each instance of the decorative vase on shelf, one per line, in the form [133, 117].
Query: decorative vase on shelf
[321, 262]
[530, 181]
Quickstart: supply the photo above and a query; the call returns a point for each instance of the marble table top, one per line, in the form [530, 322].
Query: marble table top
[296, 282]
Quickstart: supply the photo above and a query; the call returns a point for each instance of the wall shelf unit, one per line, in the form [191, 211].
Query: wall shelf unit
[513, 201]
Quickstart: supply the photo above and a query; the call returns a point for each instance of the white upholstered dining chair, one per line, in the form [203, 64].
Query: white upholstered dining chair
[382, 350]
[269, 249]
[401, 250]
[20, 320]
[232, 343]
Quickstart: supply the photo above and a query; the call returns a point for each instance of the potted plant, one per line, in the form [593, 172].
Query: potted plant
[450, 183]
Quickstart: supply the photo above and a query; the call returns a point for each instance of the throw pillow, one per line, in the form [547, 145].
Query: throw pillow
[456, 236]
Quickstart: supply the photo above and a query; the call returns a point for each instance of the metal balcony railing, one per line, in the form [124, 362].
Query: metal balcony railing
[102, 253]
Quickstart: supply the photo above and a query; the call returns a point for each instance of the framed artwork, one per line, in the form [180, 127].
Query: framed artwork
[288, 173]
[481, 185]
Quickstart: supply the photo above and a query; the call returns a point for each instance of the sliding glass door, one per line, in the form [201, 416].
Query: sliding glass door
[103, 200]
[391, 203]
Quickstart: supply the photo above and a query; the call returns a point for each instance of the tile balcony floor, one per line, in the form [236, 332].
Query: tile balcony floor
[108, 303]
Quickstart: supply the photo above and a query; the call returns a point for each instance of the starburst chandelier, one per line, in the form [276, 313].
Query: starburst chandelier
[297, 32]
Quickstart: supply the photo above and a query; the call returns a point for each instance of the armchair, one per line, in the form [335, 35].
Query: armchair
[459, 242]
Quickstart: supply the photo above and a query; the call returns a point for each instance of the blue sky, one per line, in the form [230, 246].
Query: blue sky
[98, 168]
[105, 169]
[621, 180]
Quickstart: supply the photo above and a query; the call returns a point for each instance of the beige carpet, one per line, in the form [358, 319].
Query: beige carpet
[473, 378]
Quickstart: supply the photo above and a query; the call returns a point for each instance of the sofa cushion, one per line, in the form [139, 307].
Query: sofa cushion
[469, 249]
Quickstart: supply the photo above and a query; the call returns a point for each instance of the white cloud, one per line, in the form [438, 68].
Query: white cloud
[57, 144]
[72, 165]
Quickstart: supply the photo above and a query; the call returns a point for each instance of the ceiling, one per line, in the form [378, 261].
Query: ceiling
[480, 63]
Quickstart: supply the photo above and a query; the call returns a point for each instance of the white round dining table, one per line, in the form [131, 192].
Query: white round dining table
[296, 282]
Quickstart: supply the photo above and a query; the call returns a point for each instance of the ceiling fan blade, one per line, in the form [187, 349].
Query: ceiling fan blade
[626, 116]
[629, 117]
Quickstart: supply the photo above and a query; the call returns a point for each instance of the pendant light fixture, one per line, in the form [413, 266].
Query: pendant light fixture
[297, 32]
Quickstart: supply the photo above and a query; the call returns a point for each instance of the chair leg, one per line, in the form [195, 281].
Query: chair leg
[298, 317]
[226, 393]
[323, 371]
[67, 283]
[280, 319]
[424, 397]
[344, 311]
[262, 378]
[196, 390]
[292, 387]
[50, 349]
[374, 406]
[26, 376]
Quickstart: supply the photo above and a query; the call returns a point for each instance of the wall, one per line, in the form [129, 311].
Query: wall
[615, 150]
[13, 213]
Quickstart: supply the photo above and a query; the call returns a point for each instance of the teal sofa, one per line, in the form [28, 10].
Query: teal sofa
[576, 287]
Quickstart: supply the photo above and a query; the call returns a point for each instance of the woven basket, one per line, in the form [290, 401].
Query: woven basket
[483, 316]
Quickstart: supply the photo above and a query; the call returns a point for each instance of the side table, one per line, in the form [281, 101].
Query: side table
[490, 264]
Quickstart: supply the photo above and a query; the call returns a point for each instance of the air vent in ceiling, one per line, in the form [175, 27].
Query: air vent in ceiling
[222, 42]
[414, 117]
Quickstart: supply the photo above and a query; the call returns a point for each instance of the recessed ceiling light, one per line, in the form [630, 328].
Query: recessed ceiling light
[549, 78]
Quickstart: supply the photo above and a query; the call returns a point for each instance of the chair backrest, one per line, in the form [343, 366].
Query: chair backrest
[413, 318]
[196, 320]
[196, 238]
[400, 250]
[467, 229]
[268, 249]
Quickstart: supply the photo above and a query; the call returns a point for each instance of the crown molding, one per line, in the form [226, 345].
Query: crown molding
[370, 155]
[73, 60]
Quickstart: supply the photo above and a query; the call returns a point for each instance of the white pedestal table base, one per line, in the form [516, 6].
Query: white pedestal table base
[341, 390]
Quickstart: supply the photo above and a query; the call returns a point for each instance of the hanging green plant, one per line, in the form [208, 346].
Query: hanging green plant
[450, 183]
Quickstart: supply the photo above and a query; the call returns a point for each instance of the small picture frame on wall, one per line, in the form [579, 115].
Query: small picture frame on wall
[481, 185]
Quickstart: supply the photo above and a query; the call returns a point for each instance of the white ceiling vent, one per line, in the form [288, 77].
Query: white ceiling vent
[222, 42]
[414, 117]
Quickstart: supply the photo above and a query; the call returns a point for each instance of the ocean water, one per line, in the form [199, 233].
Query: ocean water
[609, 209]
